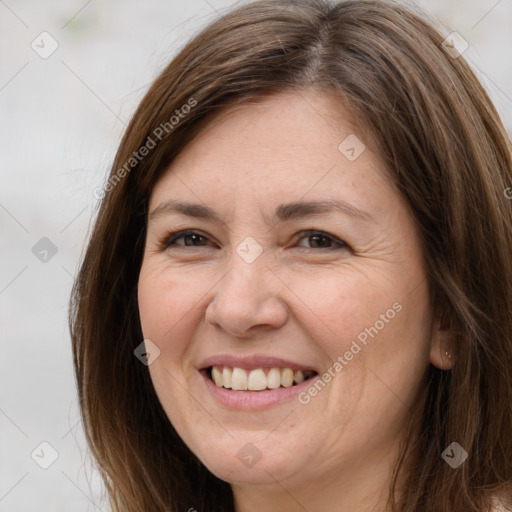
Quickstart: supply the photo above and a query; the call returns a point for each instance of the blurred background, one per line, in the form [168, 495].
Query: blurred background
[71, 76]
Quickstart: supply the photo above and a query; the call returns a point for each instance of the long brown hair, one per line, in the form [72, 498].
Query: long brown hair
[446, 150]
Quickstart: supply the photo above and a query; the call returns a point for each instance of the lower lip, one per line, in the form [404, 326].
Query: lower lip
[254, 400]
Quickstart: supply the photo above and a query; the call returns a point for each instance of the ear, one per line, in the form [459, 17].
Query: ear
[442, 346]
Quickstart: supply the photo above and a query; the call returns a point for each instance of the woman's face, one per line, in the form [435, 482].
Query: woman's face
[267, 284]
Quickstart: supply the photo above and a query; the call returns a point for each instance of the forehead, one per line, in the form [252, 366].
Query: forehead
[294, 145]
[297, 120]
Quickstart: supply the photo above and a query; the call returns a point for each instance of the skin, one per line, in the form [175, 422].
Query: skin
[301, 299]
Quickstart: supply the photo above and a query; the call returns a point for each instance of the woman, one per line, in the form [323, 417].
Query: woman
[296, 294]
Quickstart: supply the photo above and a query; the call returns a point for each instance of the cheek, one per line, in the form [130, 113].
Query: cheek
[377, 326]
[165, 299]
[341, 307]
[168, 310]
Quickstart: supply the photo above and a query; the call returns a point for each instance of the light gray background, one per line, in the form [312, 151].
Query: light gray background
[61, 121]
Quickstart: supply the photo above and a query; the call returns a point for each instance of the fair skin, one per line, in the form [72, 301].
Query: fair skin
[304, 299]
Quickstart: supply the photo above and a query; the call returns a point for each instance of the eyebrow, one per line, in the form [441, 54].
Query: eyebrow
[283, 212]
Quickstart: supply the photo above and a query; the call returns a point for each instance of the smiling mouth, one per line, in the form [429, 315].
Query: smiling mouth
[257, 379]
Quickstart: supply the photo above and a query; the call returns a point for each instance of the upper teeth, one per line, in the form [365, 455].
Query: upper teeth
[240, 379]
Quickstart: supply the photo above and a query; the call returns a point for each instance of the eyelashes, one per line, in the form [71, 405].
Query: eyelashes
[319, 237]
[170, 239]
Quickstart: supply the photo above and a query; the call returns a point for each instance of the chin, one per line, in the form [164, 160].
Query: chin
[239, 461]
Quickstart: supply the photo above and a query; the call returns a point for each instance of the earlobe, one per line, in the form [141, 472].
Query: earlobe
[442, 347]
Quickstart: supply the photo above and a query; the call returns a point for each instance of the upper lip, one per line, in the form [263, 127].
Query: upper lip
[251, 362]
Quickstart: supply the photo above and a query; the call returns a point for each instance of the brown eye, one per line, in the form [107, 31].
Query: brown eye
[321, 240]
[190, 238]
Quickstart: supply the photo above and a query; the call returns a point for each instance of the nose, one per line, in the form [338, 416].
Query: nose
[247, 299]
